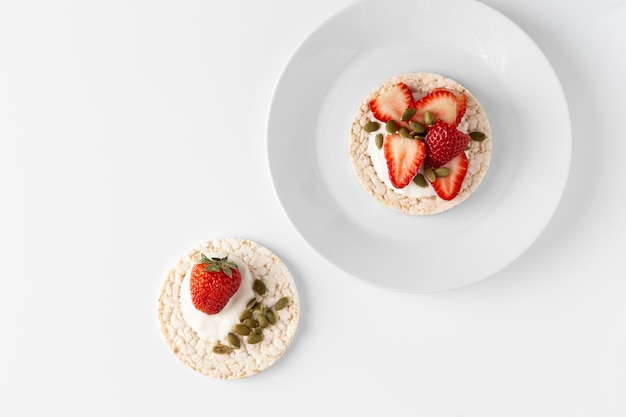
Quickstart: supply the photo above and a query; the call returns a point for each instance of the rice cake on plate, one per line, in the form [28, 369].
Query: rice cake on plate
[368, 160]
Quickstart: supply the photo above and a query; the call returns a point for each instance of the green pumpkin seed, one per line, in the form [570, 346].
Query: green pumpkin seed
[254, 338]
[417, 126]
[442, 172]
[429, 173]
[246, 314]
[280, 304]
[257, 330]
[391, 127]
[241, 329]
[429, 119]
[259, 287]
[403, 132]
[263, 322]
[233, 340]
[251, 323]
[271, 316]
[379, 140]
[408, 113]
[258, 307]
[477, 136]
[371, 126]
[221, 349]
[420, 181]
[251, 304]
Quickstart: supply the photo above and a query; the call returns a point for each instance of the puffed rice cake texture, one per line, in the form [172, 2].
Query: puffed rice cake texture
[249, 359]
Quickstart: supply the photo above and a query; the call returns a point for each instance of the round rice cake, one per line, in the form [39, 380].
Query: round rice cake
[183, 328]
[373, 175]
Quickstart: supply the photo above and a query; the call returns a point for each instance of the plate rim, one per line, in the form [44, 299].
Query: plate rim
[539, 228]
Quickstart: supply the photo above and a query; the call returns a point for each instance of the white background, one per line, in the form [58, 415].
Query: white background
[131, 130]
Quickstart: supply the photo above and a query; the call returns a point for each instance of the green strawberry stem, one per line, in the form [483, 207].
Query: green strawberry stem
[218, 264]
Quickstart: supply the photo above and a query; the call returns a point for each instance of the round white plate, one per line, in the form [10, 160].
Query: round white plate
[349, 55]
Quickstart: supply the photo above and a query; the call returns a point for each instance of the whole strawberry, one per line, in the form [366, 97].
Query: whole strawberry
[213, 282]
[444, 142]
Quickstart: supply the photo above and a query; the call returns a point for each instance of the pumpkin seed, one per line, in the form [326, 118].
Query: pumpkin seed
[246, 314]
[241, 329]
[251, 304]
[379, 140]
[403, 132]
[271, 316]
[429, 173]
[420, 181]
[257, 330]
[258, 307]
[408, 113]
[391, 126]
[259, 287]
[442, 172]
[280, 304]
[251, 323]
[254, 338]
[221, 349]
[233, 340]
[263, 322]
[417, 126]
[371, 126]
[477, 136]
[429, 119]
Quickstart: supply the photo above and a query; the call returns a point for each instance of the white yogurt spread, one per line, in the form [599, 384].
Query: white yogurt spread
[214, 327]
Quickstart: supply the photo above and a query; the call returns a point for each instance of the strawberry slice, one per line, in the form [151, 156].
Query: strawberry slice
[441, 103]
[444, 142]
[404, 158]
[461, 103]
[449, 186]
[392, 103]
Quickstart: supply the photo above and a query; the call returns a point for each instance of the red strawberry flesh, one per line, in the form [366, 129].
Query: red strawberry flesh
[441, 103]
[404, 158]
[448, 187]
[461, 104]
[391, 104]
[213, 282]
[444, 142]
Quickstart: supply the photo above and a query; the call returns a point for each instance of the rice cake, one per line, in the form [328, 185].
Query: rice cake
[249, 359]
[376, 183]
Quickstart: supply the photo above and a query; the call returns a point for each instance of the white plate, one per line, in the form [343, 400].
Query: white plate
[349, 55]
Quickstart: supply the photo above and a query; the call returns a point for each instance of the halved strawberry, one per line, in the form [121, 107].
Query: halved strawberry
[444, 142]
[392, 103]
[404, 158]
[461, 103]
[441, 103]
[449, 186]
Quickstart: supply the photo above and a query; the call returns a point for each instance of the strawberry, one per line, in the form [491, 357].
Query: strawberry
[444, 142]
[461, 104]
[404, 158]
[449, 186]
[392, 103]
[441, 103]
[213, 282]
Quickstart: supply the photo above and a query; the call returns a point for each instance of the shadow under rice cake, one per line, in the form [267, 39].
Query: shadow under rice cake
[420, 143]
